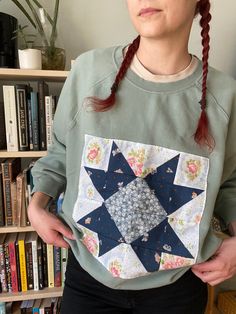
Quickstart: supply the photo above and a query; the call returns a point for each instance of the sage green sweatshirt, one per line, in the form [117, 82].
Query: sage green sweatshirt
[139, 192]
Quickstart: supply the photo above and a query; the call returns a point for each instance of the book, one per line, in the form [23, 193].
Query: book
[22, 258]
[2, 214]
[45, 263]
[3, 276]
[47, 305]
[57, 266]
[20, 201]
[22, 116]
[42, 92]
[64, 258]
[18, 264]
[3, 143]
[29, 261]
[34, 243]
[50, 265]
[8, 266]
[49, 116]
[23, 306]
[2, 308]
[16, 307]
[14, 203]
[40, 264]
[11, 241]
[35, 119]
[30, 123]
[36, 306]
[10, 169]
[29, 306]
[9, 99]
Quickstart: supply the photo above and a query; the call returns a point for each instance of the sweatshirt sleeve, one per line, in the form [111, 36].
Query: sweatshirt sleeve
[225, 206]
[226, 200]
[49, 172]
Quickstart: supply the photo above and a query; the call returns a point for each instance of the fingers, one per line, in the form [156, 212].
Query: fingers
[212, 278]
[66, 232]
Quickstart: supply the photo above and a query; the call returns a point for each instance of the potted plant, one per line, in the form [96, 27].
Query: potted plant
[29, 57]
[53, 57]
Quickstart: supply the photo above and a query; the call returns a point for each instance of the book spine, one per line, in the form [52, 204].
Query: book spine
[2, 213]
[9, 99]
[7, 202]
[21, 104]
[50, 265]
[22, 258]
[42, 124]
[35, 265]
[8, 268]
[29, 266]
[31, 145]
[45, 264]
[57, 266]
[14, 203]
[35, 120]
[12, 254]
[3, 277]
[18, 266]
[10, 169]
[48, 118]
[64, 257]
[40, 264]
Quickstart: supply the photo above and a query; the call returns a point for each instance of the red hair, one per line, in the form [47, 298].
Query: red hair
[202, 135]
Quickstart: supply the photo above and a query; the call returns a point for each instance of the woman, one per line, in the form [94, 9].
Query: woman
[143, 170]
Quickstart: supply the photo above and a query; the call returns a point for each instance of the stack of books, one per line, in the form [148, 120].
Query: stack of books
[27, 263]
[28, 117]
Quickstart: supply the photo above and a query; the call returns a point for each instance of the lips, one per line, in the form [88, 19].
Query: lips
[148, 11]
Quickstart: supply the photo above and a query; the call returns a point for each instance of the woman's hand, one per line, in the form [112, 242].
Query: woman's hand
[221, 266]
[50, 228]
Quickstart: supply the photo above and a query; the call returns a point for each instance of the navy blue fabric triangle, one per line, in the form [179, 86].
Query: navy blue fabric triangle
[148, 258]
[118, 162]
[161, 239]
[108, 183]
[106, 244]
[164, 174]
[101, 222]
[171, 196]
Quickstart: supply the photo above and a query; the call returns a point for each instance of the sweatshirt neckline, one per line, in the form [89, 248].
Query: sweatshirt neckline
[175, 86]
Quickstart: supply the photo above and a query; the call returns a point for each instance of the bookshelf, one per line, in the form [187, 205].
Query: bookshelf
[28, 75]
[31, 294]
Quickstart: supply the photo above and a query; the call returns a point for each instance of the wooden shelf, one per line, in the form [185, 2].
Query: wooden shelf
[16, 229]
[31, 294]
[33, 75]
[27, 154]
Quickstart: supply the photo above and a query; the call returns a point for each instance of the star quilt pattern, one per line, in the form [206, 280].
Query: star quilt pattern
[139, 206]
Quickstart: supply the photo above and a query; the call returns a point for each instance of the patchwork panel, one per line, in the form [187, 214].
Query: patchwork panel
[139, 206]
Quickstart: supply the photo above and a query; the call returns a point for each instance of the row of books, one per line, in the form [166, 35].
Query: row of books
[15, 190]
[28, 263]
[38, 306]
[28, 116]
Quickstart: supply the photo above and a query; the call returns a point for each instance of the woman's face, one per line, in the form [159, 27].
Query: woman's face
[162, 18]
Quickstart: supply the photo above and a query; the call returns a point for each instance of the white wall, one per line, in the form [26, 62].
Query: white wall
[86, 24]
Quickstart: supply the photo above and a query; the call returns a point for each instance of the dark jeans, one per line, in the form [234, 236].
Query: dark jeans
[85, 295]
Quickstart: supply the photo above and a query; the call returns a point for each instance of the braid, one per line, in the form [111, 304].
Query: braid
[105, 104]
[202, 135]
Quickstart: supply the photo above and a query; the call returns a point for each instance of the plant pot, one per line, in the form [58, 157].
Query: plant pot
[53, 58]
[30, 59]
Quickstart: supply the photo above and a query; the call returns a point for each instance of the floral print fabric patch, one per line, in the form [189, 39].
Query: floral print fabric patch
[139, 206]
